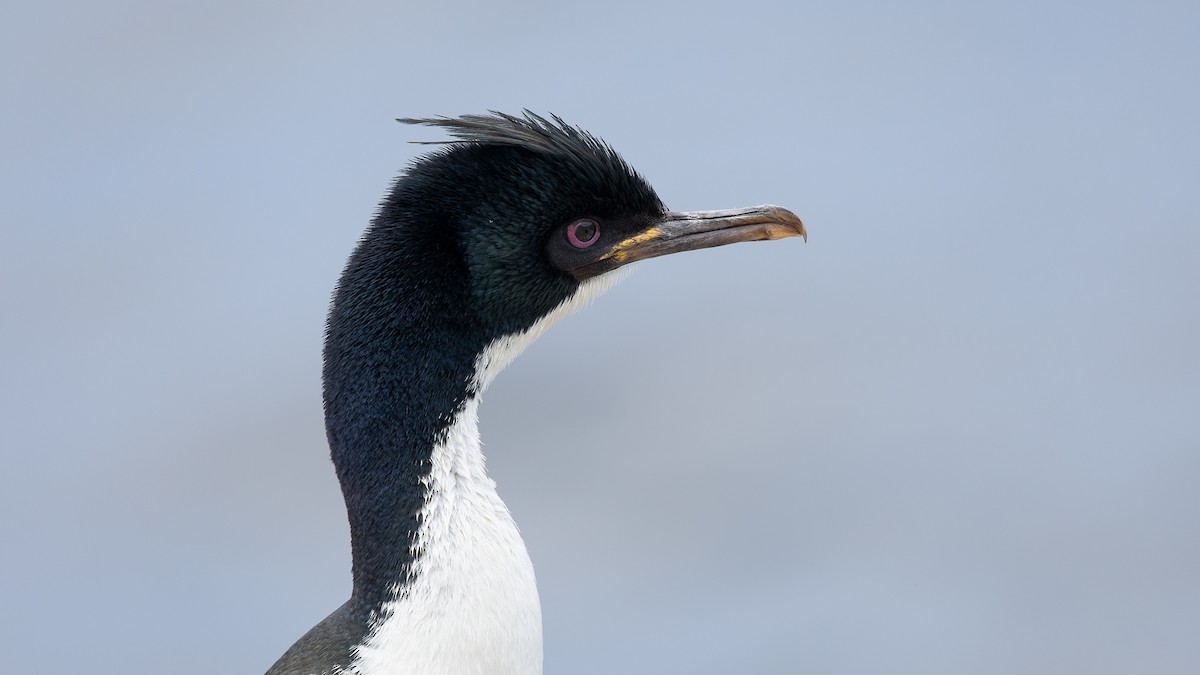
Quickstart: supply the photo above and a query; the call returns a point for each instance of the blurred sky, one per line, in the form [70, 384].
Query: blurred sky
[957, 432]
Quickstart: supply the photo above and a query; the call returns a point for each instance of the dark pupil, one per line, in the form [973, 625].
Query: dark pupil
[585, 230]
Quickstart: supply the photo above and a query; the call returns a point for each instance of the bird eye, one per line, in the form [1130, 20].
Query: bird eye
[583, 233]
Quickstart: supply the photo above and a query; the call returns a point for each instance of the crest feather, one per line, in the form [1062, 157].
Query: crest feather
[585, 154]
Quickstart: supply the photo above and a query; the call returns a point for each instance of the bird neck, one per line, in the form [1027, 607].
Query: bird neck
[441, 575]
[399, 371]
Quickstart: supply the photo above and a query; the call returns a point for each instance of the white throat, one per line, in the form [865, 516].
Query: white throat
[471, 603]
[502, 352]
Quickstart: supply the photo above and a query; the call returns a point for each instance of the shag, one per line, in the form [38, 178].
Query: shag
[477, 249]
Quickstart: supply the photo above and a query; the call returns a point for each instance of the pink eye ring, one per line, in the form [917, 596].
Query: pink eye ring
[583, 233]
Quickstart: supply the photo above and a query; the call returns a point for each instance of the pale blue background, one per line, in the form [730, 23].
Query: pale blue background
[955, 433]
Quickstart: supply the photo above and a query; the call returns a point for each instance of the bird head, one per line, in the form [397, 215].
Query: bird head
[538, 209]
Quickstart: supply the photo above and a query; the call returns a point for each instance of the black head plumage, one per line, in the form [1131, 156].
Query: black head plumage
[502, 191]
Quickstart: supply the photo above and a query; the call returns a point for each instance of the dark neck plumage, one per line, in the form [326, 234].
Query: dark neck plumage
[399, 364]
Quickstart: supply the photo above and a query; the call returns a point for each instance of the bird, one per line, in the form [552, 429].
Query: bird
[510, 224]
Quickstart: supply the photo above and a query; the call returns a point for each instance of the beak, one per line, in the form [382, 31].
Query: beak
[686, 231]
